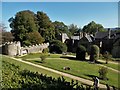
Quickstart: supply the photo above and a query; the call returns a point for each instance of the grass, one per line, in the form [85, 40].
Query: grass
[114, 66]
[32, 68]
[79, 68]
[37, 55]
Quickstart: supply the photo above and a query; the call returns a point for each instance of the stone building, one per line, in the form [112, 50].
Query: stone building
[14, 48]
[107, 41]
[73, 41]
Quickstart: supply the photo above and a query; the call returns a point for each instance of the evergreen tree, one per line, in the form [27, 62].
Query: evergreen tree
[94, 53]
[81, 52]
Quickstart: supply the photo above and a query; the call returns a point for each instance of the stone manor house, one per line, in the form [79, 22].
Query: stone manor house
[107, 41]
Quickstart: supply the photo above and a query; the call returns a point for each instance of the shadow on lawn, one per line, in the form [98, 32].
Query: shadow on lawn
[90, 75]
[68, 57]
[38, 61]
[87, 60]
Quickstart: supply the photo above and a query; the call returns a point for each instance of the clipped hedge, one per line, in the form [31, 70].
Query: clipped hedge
[94, 53]
[81, 52]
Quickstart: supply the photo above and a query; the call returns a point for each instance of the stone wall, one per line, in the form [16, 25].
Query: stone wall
[14, 48]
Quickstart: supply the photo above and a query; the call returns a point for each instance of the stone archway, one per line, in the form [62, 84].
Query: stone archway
[25, 51]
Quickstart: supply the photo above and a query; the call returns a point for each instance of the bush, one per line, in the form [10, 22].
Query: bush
[43, 57]
[103, 73]
[107, 56]
[81, 53]
[57, 46]
[46, 50]
[94, 53]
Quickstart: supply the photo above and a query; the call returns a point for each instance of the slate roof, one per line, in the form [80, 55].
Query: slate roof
[100, 35]
[75, 37]
[88, 37]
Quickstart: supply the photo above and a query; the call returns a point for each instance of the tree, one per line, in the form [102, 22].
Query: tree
[103, 73]
[73, 29]
[33, 38]
[106, 56]
[57, 47]
[81, 52]
[60, 27]
[6, 36]
[46, 28]
[43, 57]
[92, 28]
[94, 53]
[24, 22]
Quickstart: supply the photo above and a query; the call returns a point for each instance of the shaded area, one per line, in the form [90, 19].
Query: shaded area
[87, 60]
[38, 61]
[67, 57]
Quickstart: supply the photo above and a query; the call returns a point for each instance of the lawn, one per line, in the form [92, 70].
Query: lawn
[79, 68]
[31, 68]
[114, 66]
[37, 55]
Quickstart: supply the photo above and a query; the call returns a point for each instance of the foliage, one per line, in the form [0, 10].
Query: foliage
[23, 22]
[14, 77]
[81, 52]
[57, 47]
[33, 38]
[46, 50]
[5, 35]
[94, 53]
[60, 27]
[107, 56]
[43, 57]
[92, 27]
[73, 29]
[46, 28]
[103, 73]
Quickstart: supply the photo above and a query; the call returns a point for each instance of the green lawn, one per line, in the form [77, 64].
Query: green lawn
[79, 68]
[114, 66]
[32, 68]
[37, 55]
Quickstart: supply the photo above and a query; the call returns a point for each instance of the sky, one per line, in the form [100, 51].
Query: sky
[78, 13]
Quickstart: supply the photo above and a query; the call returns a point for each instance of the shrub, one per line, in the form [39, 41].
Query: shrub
[103, 73]
[81, 52]
[94, 53]
[57, 46]
[46, 50]
[42, 57]
[107, 56]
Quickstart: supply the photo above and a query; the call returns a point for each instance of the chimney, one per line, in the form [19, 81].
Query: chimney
[80, 35]
[109, 33]
[84, 34]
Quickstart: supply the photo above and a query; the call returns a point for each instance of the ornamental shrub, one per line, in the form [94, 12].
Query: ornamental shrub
[81, 52]
[94, 53]
[46, 50]
[103, 73]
